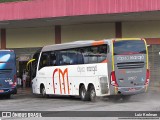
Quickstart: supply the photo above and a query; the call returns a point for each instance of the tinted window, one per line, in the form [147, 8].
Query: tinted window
[6, 56]
[34, 64]
[129, 47]
[94, 54]
[84, 55]
[63, 58]
[7, 60]
[53, 58]
[44, 61]
[69, 57]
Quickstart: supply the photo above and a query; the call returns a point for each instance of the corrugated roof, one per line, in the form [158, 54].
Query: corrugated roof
[61, 8]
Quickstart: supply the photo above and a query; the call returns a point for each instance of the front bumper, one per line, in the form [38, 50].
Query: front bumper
[8, 91]
[130, 90]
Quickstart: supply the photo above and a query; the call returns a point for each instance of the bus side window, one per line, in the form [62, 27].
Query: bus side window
[80, 59]
[60, 58]
[83, 53]
[94, 54]
[53, 59]
[44, 61]
[79, 55]
[102, 51]
[90, 55]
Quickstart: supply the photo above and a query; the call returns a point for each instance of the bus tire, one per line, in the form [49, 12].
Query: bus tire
[43, 92]
[83, 93]
[92, 94]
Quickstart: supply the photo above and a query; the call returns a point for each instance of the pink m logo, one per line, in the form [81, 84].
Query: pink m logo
[63, 77]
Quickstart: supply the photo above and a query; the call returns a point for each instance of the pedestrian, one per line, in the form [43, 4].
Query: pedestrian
[24, 79]
[19, 80]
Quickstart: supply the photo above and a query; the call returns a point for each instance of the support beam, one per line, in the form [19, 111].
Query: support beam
[57, 34]
[118, 28]
[3, 38]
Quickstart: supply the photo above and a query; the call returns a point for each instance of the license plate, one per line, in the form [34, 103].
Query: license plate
[1, 91]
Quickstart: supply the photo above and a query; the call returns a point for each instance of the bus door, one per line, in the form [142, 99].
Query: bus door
[130, 63]
[34, 63]
[52, 75]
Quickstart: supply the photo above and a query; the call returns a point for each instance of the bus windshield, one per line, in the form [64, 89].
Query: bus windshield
[128, 47]
[7, 57]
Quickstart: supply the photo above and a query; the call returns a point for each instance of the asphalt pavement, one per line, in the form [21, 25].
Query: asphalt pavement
[26, 101]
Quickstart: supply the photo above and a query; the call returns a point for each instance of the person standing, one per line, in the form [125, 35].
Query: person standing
[19, 81]
[24, 79]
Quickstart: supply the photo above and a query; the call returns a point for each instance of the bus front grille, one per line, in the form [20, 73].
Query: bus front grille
[130, 65]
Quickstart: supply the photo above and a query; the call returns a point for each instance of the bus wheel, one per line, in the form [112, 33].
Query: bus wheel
[92, 94]
[43, 92]
[83, 93]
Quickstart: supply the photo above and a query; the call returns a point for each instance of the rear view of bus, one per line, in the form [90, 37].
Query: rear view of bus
[130, 73]
[7, 73]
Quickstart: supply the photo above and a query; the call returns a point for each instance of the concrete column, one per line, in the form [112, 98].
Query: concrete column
[118, 28]
[57, 34]
[3, 38]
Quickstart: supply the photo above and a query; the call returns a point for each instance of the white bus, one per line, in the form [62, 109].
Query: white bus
[92, 68]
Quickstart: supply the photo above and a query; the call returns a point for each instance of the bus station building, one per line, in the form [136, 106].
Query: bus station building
[26, 26]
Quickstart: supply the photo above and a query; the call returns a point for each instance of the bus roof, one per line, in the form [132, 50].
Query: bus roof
[82, 43]
[6, 50]
[67, 45]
